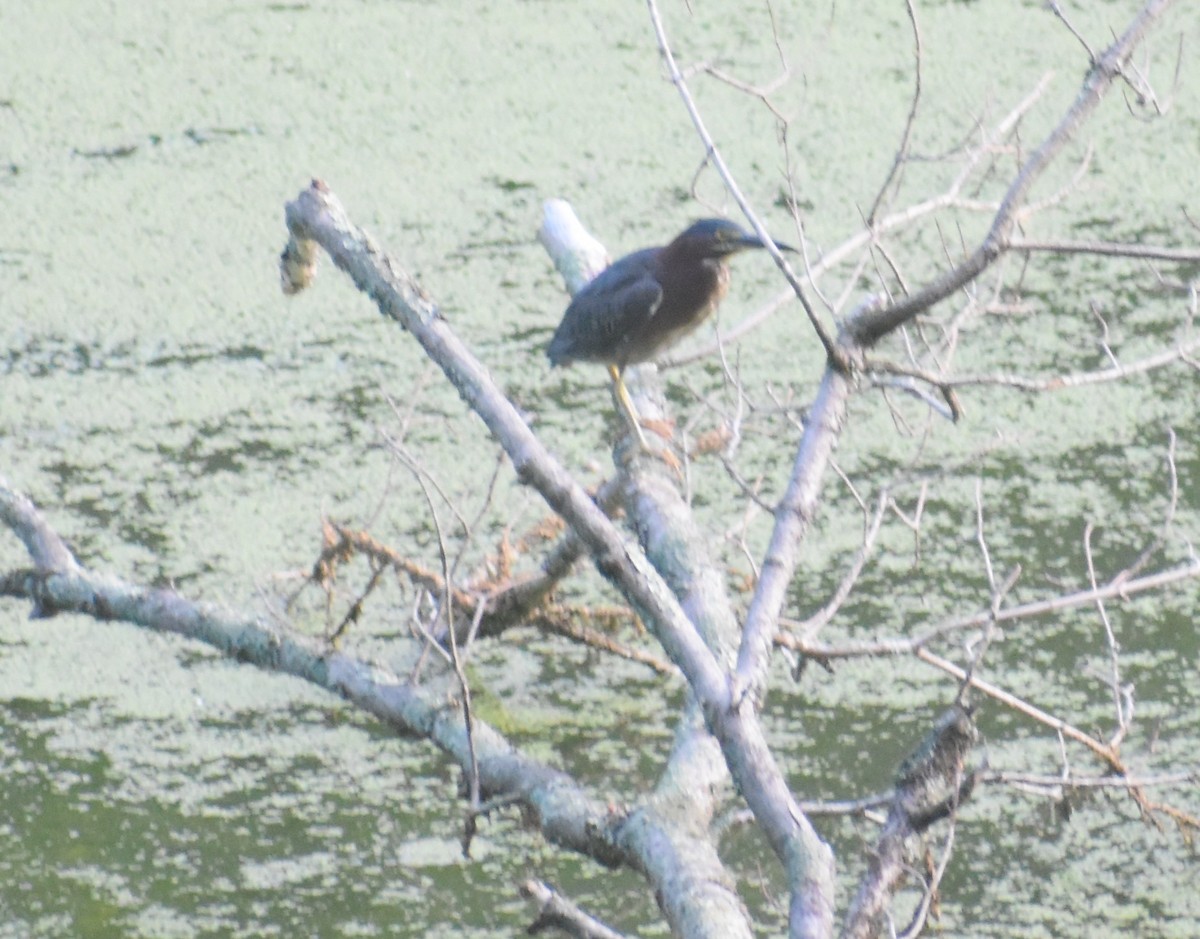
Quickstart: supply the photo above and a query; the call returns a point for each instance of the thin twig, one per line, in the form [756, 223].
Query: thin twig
[1117, 588]
[909, 122]
[714, 155]
[870, 326]
[1112, 249]
[874, 521]
[1024, 383]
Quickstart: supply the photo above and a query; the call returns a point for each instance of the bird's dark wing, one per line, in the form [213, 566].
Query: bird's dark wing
[608, 311]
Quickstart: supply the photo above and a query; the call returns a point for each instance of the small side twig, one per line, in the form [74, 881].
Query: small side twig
[557, 912]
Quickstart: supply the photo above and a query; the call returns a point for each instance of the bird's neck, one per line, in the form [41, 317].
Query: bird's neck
[693, 281]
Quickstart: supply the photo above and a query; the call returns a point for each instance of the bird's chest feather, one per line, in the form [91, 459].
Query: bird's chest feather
[690, 295]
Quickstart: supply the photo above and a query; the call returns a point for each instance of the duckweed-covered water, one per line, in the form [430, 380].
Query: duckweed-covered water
[181, 422]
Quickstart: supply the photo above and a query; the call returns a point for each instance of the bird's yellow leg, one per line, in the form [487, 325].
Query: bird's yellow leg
[626, 404]
[631, 414]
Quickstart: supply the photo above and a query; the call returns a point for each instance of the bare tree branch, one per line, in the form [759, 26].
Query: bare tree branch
[557, 912]
[1119, 588]
[566, 813]
[731, 185]
[856, 244]
[929, 787]
[1110, 249]
[870, 327]
[316, 215]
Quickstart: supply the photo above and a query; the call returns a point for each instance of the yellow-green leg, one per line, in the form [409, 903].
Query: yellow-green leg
[626, 404]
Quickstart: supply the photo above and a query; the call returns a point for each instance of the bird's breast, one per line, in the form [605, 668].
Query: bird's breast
[690, 296]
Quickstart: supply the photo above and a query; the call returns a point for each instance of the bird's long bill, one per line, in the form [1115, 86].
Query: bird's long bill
[751, 240]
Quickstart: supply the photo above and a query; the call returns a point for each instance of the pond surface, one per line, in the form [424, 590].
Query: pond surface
[181, 422]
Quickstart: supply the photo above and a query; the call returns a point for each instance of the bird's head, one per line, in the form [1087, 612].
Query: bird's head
[718, 238]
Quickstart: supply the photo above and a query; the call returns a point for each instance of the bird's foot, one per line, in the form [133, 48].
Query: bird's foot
[667, 455]
[659, 450]
[662, 427]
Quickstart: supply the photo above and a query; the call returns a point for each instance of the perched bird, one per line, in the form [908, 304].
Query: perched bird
[649, 300]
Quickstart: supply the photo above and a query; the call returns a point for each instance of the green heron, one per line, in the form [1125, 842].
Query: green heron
[649, 300]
